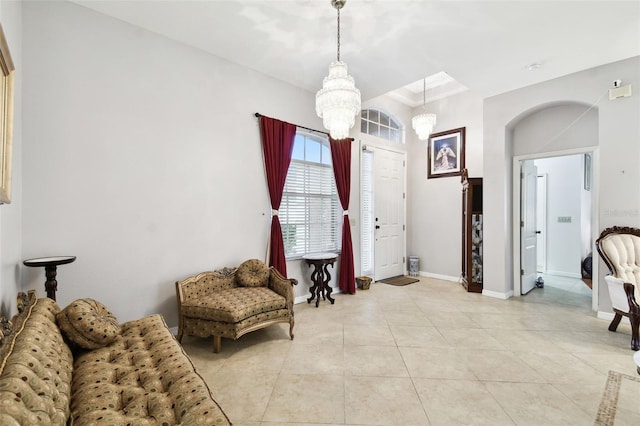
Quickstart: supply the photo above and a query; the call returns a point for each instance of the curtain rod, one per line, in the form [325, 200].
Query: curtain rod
[258, 115]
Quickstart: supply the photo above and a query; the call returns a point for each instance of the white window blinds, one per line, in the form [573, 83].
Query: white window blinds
[367, 214]
[310, 212]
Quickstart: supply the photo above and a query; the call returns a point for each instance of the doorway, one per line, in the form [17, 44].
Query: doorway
[383, 212]
[568, 225]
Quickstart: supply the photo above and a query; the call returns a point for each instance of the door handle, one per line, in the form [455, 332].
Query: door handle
[377, 226]
[538, 232]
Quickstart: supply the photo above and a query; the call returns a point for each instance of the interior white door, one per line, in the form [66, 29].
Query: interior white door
[389, 184]
[541, 219]
[528, 234]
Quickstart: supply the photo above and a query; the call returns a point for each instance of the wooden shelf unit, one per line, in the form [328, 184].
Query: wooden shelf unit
[472, 223]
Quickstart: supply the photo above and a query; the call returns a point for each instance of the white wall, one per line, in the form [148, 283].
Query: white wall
[555, 127]
[142, 157]
[11, 214]
[435, 205]
[564, 188]
[619, 153]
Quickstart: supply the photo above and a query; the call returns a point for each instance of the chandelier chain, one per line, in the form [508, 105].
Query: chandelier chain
[424, 92]
[338, 35]
[338, 102]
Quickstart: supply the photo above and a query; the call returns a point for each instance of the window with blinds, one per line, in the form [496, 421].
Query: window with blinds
[310, 213]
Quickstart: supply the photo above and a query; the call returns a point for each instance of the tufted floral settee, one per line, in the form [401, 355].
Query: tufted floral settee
[231, 302]
[80, 367]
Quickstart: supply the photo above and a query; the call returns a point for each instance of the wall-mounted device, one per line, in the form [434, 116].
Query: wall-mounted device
[619, 91]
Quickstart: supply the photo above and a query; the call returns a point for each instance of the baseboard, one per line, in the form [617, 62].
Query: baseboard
[564, 274]
[439, 277]
[609, 316]
[498, 295]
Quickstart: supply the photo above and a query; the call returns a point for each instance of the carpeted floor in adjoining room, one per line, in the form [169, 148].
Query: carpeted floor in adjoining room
[423, 354]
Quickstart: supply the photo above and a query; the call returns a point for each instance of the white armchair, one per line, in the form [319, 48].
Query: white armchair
[619, 247]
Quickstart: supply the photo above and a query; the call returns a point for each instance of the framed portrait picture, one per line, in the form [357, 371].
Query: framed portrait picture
[446, 153]
[6, 118]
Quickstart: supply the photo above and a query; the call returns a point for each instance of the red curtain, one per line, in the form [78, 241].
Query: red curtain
[341, 158]
[277, 146]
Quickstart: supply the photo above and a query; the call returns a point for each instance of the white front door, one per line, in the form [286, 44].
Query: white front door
[528, 235]
[389, 213]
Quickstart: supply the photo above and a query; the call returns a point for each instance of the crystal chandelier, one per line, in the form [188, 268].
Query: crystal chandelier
[423, 123]
[338, 102]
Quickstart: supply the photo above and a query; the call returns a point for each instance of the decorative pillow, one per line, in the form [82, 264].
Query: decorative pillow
[88, 323]
[253, 273]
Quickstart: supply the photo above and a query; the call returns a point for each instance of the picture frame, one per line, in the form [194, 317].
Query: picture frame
[7, 72]
[446, 153]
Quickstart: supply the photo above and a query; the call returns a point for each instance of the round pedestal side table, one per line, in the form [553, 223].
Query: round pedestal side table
[320, 275]
[50, 268]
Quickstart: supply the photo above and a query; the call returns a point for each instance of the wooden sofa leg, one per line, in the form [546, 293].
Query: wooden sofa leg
[217, 343]
[614, 323]
[635, 326]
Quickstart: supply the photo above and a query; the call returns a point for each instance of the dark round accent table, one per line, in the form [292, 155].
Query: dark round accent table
[320, 275]
[50, 268]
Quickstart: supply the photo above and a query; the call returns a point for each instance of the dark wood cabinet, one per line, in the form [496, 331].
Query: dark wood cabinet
[471, 233]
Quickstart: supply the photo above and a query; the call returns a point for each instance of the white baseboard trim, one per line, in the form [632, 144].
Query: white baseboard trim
[609, 316]
[301, 299]
[564, 274]
[498, 295]
[439, 277]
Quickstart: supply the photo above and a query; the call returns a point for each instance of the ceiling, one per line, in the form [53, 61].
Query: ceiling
[486, 46]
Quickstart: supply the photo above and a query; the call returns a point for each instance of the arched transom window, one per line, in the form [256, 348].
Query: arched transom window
[377, 123]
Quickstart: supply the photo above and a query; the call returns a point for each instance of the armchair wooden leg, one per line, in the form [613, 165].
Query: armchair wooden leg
[614, 323]
[291, 323]
[180, 332]
[635, 326]
[217, 343]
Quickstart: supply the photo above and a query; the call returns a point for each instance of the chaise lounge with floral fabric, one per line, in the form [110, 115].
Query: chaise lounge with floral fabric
[78, 366]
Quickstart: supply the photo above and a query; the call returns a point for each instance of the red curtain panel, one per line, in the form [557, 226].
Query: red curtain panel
[277, 146]
[341, 158]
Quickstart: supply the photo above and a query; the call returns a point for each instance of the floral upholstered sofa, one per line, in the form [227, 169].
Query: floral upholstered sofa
[231, 302]
[78, 366]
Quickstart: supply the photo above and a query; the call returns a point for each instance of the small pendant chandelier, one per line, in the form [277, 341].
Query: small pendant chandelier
[424, 123]
[338, 102]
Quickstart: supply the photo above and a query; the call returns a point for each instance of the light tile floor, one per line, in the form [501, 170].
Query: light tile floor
[424, 354]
